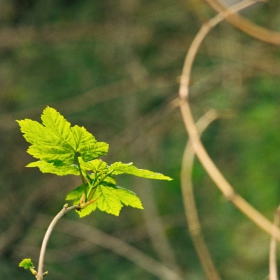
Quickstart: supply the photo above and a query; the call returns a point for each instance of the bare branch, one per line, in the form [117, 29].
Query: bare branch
[199, 149]
[272, 254]
[247, 26]
[65, 209]
[189, 202]
[205, 29]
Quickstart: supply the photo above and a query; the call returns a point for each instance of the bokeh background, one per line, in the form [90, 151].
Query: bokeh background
[114, 67]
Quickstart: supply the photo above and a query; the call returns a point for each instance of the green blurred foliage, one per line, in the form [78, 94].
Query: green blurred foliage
[122, 60]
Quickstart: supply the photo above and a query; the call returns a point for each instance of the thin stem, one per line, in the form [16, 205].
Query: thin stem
[91, 195]
[65, 209]
[247, 26]
[272, 254]
[205, 29]
[190, 205]
[82, 177]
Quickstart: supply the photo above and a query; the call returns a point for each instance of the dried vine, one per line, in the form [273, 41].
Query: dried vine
[215, 174]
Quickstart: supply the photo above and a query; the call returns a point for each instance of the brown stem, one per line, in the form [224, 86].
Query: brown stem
[65, 209]
[247, 26]
[272, 254]
[189, 202]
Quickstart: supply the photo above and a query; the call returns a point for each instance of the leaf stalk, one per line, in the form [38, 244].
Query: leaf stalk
[82, 176]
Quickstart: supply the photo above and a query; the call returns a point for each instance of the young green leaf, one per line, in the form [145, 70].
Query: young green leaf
[87, 210]
[45, 145]
[58, 143]
[26, 264]
[128, 168]
[96, 165]
[87, 146]
[61, 170]
[59, 126]
[75, 194]
[62, 150]
[111, 200]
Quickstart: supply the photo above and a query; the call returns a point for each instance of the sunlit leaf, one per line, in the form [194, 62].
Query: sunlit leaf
[59, 126]
[129, 168]
[86, 211]
[75, 194]
[96, 165]
[45, 145]
[56, 142]
[87, 146]
[63, 150]
[111, 200]
[61, 170]
[26, 264]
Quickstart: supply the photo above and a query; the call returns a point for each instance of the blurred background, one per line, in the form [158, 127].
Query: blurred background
[114, 67]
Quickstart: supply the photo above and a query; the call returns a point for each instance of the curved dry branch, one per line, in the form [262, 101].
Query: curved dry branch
[199, 149]
[246, 25]
[273, 275]
[189, 202]
[40, 274]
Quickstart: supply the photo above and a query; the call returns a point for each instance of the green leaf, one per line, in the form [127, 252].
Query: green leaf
[45, 145]
[87, 146]
[109, 181]
[58, 125]
[26, 264]
[75, 194]
[62, 150]
[129, 168]
[86, 211]
[111, 200]
[61, 170]
[96, 165]
[128, 198]
[56, 142]
[107, 200]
